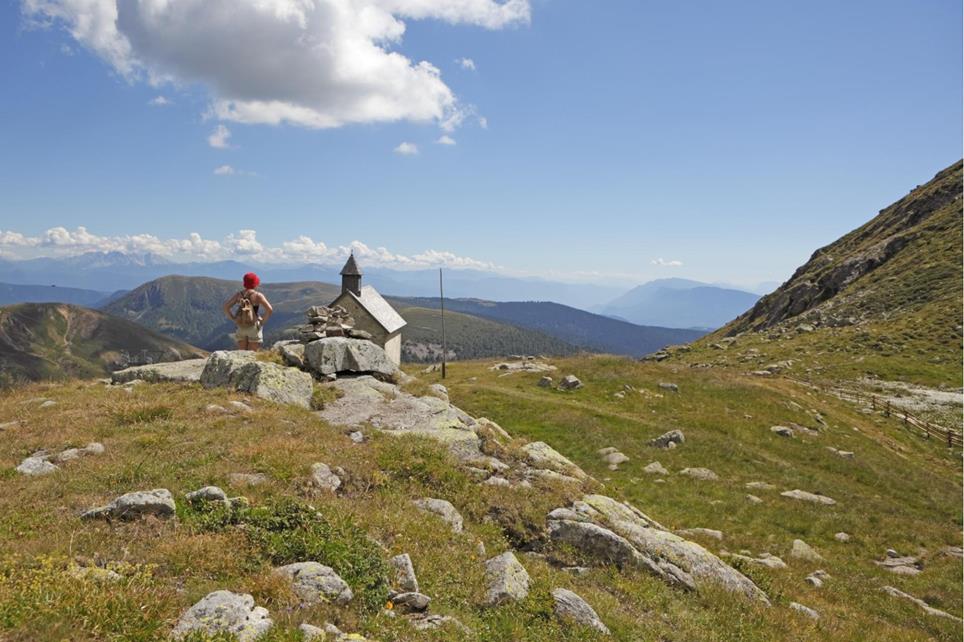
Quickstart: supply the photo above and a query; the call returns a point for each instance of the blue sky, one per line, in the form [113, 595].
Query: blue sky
[730, 138]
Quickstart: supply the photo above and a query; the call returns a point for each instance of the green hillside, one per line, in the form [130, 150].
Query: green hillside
[40, 341]
[883, 301]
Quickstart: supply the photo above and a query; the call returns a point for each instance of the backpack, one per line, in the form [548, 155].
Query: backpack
[246, 316]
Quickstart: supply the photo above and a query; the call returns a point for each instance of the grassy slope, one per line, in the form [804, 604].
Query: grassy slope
[56, 341]
[900, 492]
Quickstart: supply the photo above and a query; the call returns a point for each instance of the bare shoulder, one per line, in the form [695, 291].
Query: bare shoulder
[234, 298]
[260, 297]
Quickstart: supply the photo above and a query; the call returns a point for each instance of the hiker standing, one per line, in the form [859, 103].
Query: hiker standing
[248, 314]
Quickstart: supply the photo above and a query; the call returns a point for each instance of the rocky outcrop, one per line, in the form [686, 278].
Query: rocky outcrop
[806, 496]
[241, 371]
[158, 503]
[614, 532]
[924, 606]
[187, 371]
[334, 355]
[224, 612]
[541, 455]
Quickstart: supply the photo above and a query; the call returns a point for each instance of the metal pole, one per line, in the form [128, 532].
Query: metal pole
[441, 303]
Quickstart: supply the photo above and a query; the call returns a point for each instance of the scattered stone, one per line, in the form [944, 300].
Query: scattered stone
[613, 458]
[704, 474]
[223, 612]
[758, 485]
[545, 382]
[761, 373]
[901, 565]
[241, 371]
[426, 621]
[782, 431]
[800, 550]
[158, 502]
[247, 479]
[323, 478]
[542, 455]
[357, 436]
[817, 578]
[701, 532]
[842, 537]
[846, 454]
[186, 371]
[6, 425]
[669, 439]
[314, 582]
[405, 580]
[310, 632]
[439, 391]
[527, 365]
[806, 610]
[241, 407]
[569, 606]
[207, 494]
[953, 551]
[890, 590]
[495, 480]
[215, 409]
[753, 499]
[506, 579]
[49, 403]
[805, 496]
[411, 602]
[36, 466]
[443, 509]
[765, 559]
[94, 574]
[655, 468]
[570, 382]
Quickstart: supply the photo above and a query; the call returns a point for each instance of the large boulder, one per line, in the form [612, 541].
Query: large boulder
[611, 531]
[158, 502]
[334, 355]
[506, 580]
[569, 606]
[188, 370]
[224, 612]
[240, 370]
[541, 455]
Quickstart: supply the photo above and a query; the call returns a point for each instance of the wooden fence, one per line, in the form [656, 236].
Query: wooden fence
[927, 429]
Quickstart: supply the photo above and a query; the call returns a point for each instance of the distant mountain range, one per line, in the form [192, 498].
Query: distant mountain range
[10, 294]
[680, 303]
[56, 341]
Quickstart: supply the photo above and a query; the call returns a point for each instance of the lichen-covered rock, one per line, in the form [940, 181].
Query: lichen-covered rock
[541, 455]
[188, 371]
[36, 466]
[704, 474]
[207, 494]
[506, 580]
[655, 468]
[618, 532]
[223, 612]
[411, 602]
[241, 371]
[158, 502]
[668, 439]
[806, 496]
[404, 579]
[443, 509]
[800, 550]
[569, 606]
[570, 382]
[314, 582]
[323, 478]
[334, 355]
[806, 610]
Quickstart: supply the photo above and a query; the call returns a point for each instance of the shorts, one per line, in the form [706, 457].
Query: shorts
[250, 333]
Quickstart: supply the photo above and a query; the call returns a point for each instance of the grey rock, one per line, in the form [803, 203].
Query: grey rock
[800, 550]
[655, 468]
[704, 474]
[426, 621]
[842, 537]
[215, 409]
[701, 532]
[569, 606]
[224, 612]
[570, 382]
[670, 387]
[753, 499]
[929, 610]
[158, 502]
[314, 582]
[207, 494]
[439, 391]
[614, 459]
[247, 479]
[94, 574]
[411, 602]
[334, 355]
[404, 576]
[36, 466]
[7, 425]
[495, 480]
[239, 370]
[673, 437]
[506, 580]
[293, 354]
[806, 496]
[541, 455]
[323, 478]
[443, 509]
[782, 431]
[767, 560]
[806, 610]
[310, 632]
[187, 371]
[49, 403]
[758, 485]
[240, 406]
[545, 382]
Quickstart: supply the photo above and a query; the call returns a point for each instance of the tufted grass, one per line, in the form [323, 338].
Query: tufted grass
[900, 492]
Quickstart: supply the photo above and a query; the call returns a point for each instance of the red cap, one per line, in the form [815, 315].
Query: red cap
[251, 281]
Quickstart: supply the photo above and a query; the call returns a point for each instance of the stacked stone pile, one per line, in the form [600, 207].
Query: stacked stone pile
[329, 322]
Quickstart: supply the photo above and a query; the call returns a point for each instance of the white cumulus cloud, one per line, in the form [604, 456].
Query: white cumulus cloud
[661, 262]
[312, 63]
[445, 139]
[406, 149]
[466, 63]
[225, 170]
[61, 242]
[219, 137]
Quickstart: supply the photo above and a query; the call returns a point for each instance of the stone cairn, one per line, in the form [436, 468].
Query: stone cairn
[329, 322]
